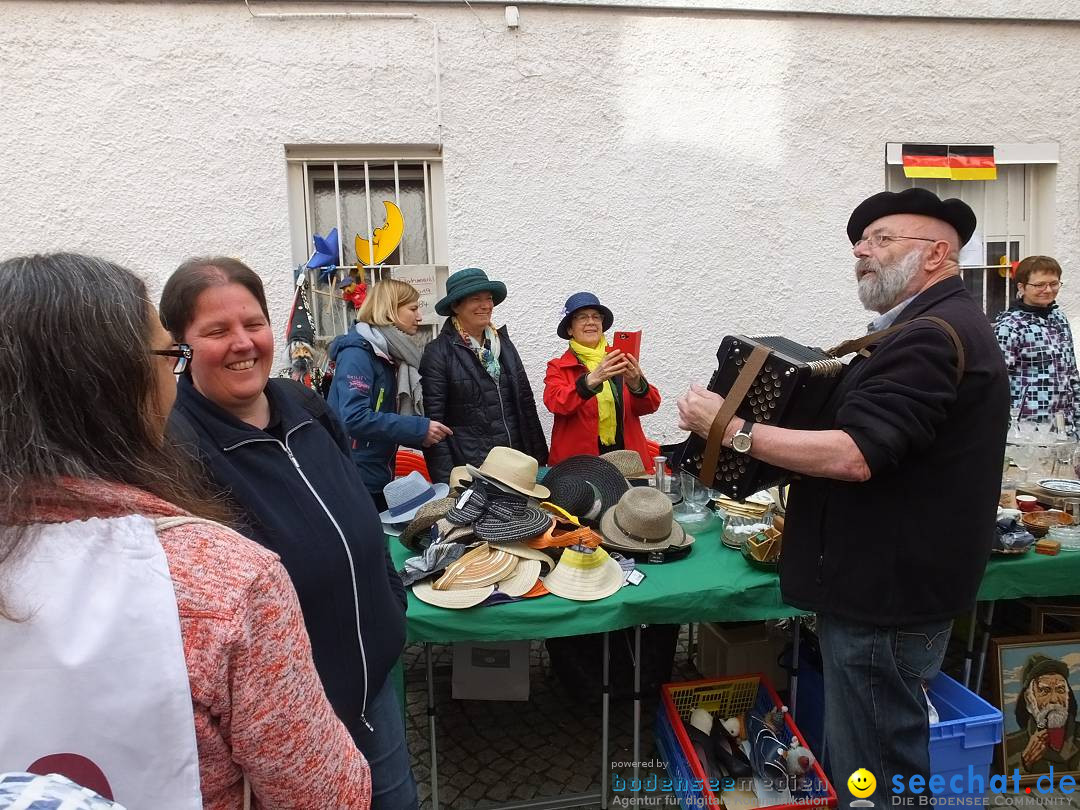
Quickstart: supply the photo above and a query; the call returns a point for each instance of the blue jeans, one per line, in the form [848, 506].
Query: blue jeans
[875, 710]
[392, 783]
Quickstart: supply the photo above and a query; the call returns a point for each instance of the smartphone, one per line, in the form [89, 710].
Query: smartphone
[628, 343]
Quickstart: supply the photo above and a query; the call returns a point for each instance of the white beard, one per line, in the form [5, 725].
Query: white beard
[1052, 716]
[881, 291]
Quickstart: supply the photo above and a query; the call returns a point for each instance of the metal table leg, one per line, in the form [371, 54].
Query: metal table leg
[794, 687]
[985, 643]
[605, 770]
[431, 728]
[637, 707]
[969, 652]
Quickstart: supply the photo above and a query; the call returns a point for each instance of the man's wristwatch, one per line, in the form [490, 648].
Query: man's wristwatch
[742, 440]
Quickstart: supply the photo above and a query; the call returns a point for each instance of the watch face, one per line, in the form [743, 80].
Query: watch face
[740, 442]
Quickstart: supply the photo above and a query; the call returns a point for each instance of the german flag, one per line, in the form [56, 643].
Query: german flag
[972, 163]
[926, 160]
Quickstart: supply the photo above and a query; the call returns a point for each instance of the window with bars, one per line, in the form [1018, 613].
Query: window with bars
[1007, 211]
[346, 189]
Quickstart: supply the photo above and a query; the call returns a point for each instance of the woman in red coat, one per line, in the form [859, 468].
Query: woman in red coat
[598, 396]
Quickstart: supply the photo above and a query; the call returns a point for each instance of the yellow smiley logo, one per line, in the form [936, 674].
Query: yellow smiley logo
[861, 783]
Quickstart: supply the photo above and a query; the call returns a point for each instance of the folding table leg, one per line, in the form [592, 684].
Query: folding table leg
[969, 652]
[431, 729]
[637, 706]
[794, 687]
[605, 768]
[985, 643]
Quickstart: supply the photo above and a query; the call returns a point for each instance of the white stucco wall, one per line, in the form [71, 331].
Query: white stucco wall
[694, 169]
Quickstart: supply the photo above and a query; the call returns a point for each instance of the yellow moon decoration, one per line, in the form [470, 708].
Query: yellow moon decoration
[384, 240]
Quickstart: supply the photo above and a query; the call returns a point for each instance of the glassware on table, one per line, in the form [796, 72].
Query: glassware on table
[694, 497]
[665, 481]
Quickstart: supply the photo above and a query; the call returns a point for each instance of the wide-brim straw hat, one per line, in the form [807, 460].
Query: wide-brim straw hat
[405, 495]
[511, 468]
[464, 283]
[601, 475]
[455, 600]
[479, 566]
[585, 575]
[527, 552]
[425, 518]
[563, 535]
[522, 580]
[627, 462]
[524, 525]
[642, 520]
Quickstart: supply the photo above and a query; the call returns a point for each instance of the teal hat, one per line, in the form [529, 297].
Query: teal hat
[464, 283]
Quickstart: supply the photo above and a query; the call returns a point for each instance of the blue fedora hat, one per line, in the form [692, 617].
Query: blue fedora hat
[464, 283]
[581, 300]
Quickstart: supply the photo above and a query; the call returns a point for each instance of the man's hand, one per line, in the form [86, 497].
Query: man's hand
[1034, 750]
[697, 410]
[436, 432]
[612, 365]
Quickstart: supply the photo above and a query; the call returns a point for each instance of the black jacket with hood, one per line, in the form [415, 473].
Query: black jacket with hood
[302, 497]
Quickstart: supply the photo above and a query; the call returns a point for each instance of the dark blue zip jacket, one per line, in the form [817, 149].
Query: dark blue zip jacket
[309, 527]
[363, 396]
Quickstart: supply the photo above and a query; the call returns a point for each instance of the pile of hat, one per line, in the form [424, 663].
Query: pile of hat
[495, 534]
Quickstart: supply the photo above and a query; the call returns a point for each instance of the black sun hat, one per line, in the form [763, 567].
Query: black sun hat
[912, 201]
[602, 476]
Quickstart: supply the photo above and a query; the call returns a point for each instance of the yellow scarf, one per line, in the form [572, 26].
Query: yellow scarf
[605, 400]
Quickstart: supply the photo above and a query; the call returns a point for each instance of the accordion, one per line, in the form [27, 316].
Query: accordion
[773, 381]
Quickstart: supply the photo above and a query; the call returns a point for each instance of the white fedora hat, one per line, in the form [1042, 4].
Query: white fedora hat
[512, 469]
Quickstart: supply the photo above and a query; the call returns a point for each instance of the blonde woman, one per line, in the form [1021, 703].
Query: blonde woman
[376, 389]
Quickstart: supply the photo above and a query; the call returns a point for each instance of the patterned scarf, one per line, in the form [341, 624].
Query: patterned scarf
[488, 352]
[605, 400]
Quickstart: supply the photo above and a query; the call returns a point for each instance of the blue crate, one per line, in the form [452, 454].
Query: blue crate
[967, 731]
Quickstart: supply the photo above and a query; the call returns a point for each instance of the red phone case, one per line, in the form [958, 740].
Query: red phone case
[628, 342]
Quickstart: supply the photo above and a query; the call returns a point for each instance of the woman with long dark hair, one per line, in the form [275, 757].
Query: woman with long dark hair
[149, 651]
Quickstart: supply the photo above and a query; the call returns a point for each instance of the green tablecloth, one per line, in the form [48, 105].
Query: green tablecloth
[714, 583]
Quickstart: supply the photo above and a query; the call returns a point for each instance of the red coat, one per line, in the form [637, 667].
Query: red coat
[577, 418]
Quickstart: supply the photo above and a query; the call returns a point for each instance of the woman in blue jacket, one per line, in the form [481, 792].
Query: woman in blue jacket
[376, 389]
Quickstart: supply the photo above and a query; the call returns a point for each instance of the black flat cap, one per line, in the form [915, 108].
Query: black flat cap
[912, 201]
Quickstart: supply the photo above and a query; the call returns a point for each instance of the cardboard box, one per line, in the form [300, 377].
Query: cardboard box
[495, 670]
[728, 649]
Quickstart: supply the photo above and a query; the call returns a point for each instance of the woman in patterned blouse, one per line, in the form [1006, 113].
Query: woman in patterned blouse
[1037, 343]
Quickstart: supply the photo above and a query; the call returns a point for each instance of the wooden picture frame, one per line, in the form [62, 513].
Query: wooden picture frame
[1045, 660]
[1041, 613]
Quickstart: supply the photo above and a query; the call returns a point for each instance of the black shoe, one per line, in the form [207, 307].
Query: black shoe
[728, 753]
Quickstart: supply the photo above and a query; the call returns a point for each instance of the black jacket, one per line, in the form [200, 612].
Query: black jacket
[294, 496]
[911, 543]
[460, 393]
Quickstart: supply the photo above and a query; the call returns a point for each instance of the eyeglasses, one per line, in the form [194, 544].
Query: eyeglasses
[879, 239]
[581, 317]
[182, 353]
[1054, 286]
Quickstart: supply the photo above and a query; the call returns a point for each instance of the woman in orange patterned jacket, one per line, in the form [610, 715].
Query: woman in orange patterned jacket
[86, 375]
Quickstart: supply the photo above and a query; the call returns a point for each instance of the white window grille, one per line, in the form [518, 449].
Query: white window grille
[347, 192]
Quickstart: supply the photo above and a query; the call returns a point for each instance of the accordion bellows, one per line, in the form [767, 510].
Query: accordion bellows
[789, 390]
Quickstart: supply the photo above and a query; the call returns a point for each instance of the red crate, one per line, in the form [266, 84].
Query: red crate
[722, 698]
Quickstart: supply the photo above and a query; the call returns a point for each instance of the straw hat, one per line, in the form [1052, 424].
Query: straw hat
[642, 521]
[575, 497]
[455, 599]
[561, 535]
[584, 575]
[510, 468]
[482, 565]
[407, 494]
[498, 518]
[560, 513]
[526, 552]
[523, 580]
[601, 475]
[628, 462]
[460, 478]
[426, 517]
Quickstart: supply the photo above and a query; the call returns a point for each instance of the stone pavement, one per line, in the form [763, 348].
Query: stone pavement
[496, 752]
